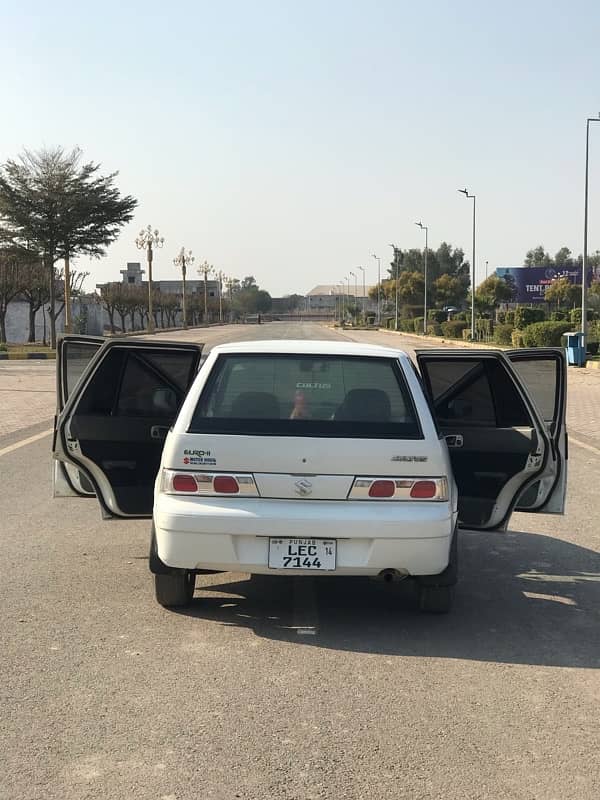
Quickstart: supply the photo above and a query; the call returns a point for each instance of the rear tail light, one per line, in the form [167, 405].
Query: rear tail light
[207, 484]
[399, 489]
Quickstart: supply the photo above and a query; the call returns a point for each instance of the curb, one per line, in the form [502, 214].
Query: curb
[27, 356]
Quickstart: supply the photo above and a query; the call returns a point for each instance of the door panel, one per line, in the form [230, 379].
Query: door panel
[497, 440]
[543, 371]
[114, 423]
[74, 353]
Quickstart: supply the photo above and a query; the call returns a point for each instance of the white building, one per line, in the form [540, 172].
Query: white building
[325, 297]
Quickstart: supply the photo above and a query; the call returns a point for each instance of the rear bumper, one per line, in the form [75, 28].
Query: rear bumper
[233, 535]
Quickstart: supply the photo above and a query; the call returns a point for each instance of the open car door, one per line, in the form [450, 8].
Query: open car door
[116, 416]
[74, 353]
[499, 444]
[544, 373]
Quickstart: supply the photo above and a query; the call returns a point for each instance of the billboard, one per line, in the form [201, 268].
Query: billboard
[530, 283]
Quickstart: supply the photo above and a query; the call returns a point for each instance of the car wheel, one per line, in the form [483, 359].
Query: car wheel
[176, 589]
[435, 599]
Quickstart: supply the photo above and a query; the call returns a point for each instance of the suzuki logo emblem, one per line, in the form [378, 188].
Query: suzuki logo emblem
[303, 487]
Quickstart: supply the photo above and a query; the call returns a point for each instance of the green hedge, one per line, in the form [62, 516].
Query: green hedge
[434, 329]
[517, 338]
[407, 325]
[418, 323]
[545, 334]
[454, 328]
[505, 317]
[528, 316]
[435, 315]
[575, 317]
[559, 316]
[503, 334]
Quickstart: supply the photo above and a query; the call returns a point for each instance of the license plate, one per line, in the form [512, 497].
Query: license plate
[313, 554]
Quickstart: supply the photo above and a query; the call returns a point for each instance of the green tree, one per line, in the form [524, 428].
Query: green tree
[491, 292]
[448, 291]
[563, 258]
[561, 290]
[538, 257]
[411, 288]
[10, 283]
[61, 207]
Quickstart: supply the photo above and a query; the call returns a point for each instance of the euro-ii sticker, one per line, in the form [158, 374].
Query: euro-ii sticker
[199, 458]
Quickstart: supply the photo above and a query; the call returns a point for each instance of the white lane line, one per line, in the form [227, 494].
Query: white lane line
[305, 619]
[12, 447]
[585, 446]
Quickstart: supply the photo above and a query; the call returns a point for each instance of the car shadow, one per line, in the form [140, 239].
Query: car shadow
[522, 598]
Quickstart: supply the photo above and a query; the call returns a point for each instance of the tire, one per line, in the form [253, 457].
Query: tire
[435, 599]
[175, 590]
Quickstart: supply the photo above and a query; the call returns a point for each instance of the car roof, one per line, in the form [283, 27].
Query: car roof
[302, 347]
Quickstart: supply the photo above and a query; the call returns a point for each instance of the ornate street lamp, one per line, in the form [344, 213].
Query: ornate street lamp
[205, 269]
[148, 240]
[183, 260]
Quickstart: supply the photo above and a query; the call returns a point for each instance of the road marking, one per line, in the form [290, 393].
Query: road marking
[305, 618]
[585, 446]
[12, 447]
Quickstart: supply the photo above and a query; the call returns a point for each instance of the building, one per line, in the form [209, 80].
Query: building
[133, 276]
[325, 297]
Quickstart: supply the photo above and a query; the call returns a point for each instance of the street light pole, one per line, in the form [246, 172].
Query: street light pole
[182, 260]
[397, 267]
[221, 276]
[378, 288]
[205, 268]
[585, 233]
[473, 198]
[148, 240]
[426, 229]
[342, 303]
[364, 299]
[355, 291]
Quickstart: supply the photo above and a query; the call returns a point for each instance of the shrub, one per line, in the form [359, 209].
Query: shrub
[545, 334]
[434, 329]
[503, 334]
[406, 325]
[558, 316]
[464, 315]
[501, 317]
[418, 324]
[435, 315]
[592, 348]
[509, 319]
[517, 338]
[483, 328]
[575, 317]
[454, 328]
[528, 316]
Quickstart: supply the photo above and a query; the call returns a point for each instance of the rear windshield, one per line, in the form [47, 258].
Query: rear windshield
[303, 395]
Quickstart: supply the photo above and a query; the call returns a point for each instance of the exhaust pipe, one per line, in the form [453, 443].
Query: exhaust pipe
[391, 574]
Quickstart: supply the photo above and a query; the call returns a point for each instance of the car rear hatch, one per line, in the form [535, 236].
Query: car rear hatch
[308, 427]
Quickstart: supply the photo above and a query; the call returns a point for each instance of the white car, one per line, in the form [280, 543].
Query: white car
[308, 457]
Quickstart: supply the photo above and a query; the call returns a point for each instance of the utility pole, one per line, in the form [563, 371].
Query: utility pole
[473, 198]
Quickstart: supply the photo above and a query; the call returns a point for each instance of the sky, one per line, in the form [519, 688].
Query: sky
[292, 140]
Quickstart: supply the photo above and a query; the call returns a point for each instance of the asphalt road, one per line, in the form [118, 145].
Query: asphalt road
[295, 689]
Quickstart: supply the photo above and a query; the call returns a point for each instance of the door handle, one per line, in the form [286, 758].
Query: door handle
[454, 440]
[159, 431]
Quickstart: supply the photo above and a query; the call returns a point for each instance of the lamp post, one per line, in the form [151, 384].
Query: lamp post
[378, 288]
[364, 298]
[397, 266]
[148, 240]
[205, 269]
[585, 233]
[221, 278]
[355, 290]
[342, 303]
[486, 269]
[426, 229]
[473, 198]
[182, 260]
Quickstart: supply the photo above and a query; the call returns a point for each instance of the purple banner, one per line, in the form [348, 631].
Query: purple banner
[530, 283]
